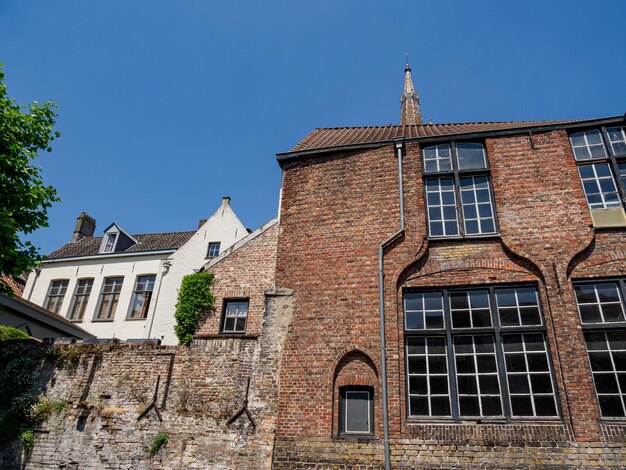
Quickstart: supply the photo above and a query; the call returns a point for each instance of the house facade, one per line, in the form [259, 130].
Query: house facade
[125, 286]
[458, 295]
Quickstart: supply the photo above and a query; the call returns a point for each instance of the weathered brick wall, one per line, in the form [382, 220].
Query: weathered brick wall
[338, 208]
[247, 273]
[201, 388]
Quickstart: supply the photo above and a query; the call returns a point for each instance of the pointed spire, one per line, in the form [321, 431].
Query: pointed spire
[410, 101]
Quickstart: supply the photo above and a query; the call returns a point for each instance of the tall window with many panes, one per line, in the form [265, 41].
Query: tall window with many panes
[458, 190]
[477, 353]
[141, 297]
[56, 294]
[81, 297]
[601, 158]
[109, 298]
[601, 309]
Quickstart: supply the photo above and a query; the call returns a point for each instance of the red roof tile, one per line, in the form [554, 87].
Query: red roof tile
[341, 136]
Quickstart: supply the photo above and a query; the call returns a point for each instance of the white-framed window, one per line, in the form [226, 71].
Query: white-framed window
[109, 242]
[235, 316]
[459, 200]
[477, 353]
[213, 250]
[56, 294]
[356, 410]
[601, 158]
[80, 300]
[142, 295]
[109, 298]
[602, 315]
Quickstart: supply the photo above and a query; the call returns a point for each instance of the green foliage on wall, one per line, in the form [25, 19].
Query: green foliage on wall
[27, 438]
[8, 332]
[194, 300]
[20, 402]
[159, 441]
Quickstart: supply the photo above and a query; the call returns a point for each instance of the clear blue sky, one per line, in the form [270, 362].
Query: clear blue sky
[166, 106]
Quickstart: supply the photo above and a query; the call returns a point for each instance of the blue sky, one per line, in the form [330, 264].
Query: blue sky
[166, 106]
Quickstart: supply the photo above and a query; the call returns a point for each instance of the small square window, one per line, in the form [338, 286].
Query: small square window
[356, 411]
[235, 316]
[214, 249]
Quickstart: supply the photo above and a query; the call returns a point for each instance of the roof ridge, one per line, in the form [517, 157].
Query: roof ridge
[446, 124]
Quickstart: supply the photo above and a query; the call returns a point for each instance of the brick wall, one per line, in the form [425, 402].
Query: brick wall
[201, 388]
[336, 210]
[245, 273]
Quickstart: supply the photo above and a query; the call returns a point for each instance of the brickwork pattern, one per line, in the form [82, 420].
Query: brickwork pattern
[338, 208]
[200, 389]
[244, 274]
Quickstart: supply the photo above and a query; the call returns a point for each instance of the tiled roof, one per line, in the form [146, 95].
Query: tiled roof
[4, 300]
[16, 285]
[147, 242]
[341, 136]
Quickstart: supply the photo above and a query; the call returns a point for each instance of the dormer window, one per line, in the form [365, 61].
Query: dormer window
[116, 240]
[109, 242]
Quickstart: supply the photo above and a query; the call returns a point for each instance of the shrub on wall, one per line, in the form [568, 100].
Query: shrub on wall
[194, 300]
[8, 332]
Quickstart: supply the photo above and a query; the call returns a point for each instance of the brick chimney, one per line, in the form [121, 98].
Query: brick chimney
[226, 201]
[85, 226]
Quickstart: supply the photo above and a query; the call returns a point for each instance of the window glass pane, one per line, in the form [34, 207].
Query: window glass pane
[142, 296]
[475, 360]
[235, 316]
[437, 158]
[599, 303]
[617, 137]
[477, 206]
[429, 393]
[470, 309]
[109, 298]
[528, 374]
[423, 310]
[471, 156]
[56, 294]
[81, 297]
[599, 186]
[357, 412]
[607, 356]
[214, 249]
[622, 172]
[441, 201]
[587, 145]
[518, 306]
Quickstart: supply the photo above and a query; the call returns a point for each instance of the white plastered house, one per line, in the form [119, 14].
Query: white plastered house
[125, 285]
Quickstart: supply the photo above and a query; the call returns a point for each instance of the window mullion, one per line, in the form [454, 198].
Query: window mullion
[504, 384]
[613, 165]
[454, 396]
[457, 190]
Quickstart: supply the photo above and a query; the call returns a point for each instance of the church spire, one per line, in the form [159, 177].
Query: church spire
[410, 101]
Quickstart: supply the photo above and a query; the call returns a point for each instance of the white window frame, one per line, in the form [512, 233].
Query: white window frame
[54, 292]
[80, 298]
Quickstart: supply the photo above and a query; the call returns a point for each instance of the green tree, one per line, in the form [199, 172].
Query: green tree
[194, 300]
[24, 199]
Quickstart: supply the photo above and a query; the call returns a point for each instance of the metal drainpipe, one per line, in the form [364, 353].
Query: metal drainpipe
[381, 290]
[166, 264]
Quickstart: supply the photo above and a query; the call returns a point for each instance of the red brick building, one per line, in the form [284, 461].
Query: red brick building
[495, 254]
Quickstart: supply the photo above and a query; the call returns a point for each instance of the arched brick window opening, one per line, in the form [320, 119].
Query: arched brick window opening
[356, 397]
